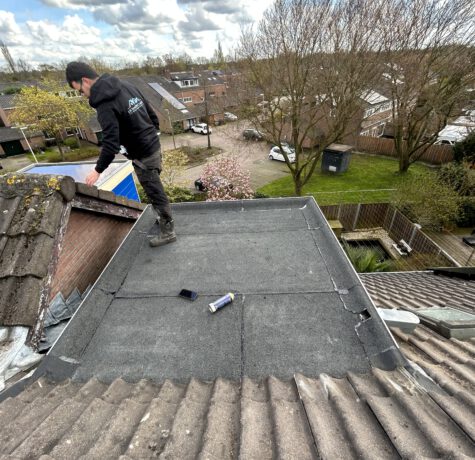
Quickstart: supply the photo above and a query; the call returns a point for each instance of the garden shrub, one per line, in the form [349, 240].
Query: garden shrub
[458, 177]
[71, 142]
[428, 201]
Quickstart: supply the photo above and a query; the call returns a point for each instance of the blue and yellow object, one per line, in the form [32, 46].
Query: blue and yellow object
[117, 178]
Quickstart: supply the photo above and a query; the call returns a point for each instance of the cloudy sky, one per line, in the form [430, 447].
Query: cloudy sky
[50, 31]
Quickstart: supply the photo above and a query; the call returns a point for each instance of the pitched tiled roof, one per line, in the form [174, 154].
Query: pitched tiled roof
[93, 124]
[10, 134]
[32, 207]
[156, 100]
[414, 290]
[376, 415]
[449, 362]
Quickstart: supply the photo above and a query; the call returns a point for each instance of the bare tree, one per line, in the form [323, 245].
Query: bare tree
[304, 69]
[428, 64]
[7, 56]
[218, 59]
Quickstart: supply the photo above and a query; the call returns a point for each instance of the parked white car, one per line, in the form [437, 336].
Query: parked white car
[452, 134]
[276, 154]
[230, 116]
[201, 128]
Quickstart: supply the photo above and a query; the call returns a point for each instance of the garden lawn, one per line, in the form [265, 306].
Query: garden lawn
[53, 155]
[368, 180]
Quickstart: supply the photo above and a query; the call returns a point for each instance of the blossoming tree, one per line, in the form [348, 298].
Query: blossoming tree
[224, 179]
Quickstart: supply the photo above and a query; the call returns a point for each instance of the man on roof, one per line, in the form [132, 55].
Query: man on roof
[126, 119]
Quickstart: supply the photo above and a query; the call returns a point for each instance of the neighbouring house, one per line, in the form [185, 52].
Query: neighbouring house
[12, 140]
[200, 88]
[374, 112]
[56, 236]
[170, 110]
[93, 131]
[299, 366]
[18, 142]
[377, 113]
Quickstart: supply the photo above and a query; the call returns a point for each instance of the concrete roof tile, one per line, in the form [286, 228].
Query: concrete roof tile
[27, 255]
[19, 300]
[375, 415]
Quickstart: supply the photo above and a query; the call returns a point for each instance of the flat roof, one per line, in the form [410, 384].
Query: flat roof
[299, 307]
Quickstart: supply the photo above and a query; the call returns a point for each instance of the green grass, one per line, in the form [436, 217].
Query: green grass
[365, 172]
[199, 155]
[53, 155]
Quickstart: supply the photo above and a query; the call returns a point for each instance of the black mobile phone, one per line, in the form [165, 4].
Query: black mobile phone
[187, 294]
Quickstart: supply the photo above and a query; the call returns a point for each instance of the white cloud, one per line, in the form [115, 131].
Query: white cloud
[72, 32]
[118, 30]
[78, 4]
[10, 31]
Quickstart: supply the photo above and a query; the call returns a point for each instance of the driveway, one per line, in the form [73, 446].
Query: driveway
[253, 155]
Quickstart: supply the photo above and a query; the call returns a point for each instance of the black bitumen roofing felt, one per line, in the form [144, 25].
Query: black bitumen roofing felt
[300, 307]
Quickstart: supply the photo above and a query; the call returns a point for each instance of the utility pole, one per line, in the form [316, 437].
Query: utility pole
[206, 112]
[22, 129]
[172, 128]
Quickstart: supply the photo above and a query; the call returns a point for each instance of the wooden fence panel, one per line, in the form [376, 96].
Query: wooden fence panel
[331, 212]
[435, 154]
[372, 215]
[398, 226]
[357, 216]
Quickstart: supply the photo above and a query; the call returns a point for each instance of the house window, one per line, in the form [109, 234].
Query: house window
[186, 99]
[369, 112]
[193, 82]
[72, 132]
[71, 93]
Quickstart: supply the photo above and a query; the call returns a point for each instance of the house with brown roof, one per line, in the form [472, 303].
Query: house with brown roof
[204, 89]
[12, 140]
[169, 109]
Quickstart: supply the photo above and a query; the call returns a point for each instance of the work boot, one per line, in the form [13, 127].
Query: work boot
[167, 234]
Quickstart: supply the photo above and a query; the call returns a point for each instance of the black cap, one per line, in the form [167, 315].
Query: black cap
[76, 70]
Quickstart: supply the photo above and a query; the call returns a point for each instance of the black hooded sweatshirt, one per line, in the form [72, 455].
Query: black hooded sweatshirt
[126, 118]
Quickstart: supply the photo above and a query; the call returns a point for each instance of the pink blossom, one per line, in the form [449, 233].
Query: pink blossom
[224, 179]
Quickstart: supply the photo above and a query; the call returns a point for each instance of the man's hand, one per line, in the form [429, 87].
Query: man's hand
[92, 177]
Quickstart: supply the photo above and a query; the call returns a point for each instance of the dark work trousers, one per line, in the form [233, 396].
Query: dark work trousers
[148, 173]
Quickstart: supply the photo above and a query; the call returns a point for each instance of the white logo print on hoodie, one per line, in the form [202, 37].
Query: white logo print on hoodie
[135, 104]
